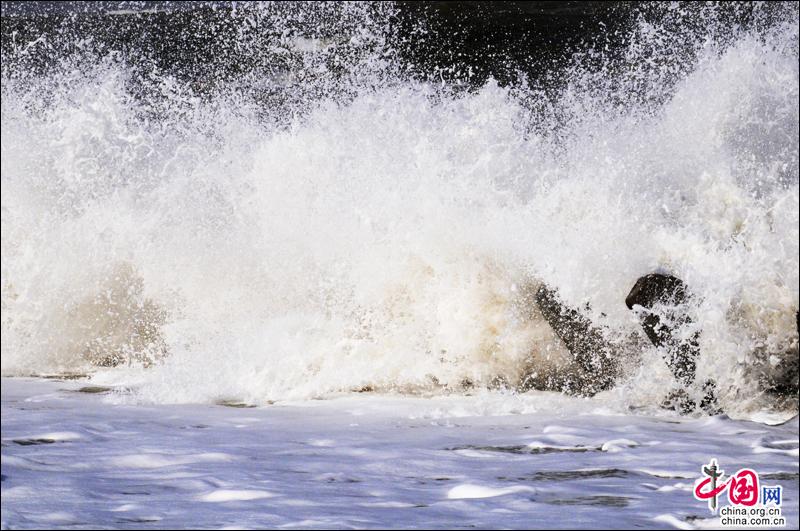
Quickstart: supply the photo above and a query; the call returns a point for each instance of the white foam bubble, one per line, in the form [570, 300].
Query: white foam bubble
[226, 495]
[477, 491]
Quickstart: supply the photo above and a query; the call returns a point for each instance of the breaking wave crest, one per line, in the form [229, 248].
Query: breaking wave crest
[329, 218]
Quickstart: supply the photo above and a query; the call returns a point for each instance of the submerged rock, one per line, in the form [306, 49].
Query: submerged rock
[662, 304]
[680, 401]
[591, 363]
[781, 373]
[596, 362]
[234, 404]
[661, 301]
[94, 389]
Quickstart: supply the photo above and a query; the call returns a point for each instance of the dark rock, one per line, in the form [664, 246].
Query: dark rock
[709, 402]
[601, 501]
[680, 401]
[662, 308]
[526, 450]
[785, 378]
[656, 288]
[95, 389]
[234, 403]
[33, 442]
[597, 365]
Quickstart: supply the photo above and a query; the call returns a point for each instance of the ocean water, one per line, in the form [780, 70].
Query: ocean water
[78, 460]
[315, 217]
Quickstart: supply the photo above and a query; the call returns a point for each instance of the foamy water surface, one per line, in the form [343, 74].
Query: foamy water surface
[76, 459]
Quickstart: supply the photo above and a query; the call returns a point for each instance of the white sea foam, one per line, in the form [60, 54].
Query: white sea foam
[226, 495]
[384, 238]
[478, 491]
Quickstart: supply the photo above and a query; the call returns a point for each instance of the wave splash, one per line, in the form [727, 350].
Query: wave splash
[338, 221]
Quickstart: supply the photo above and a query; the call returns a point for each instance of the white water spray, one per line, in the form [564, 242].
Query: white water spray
[381, 238]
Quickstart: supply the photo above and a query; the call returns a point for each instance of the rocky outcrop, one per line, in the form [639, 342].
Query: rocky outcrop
[661, 302]
[595, 364]
[780, 374]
